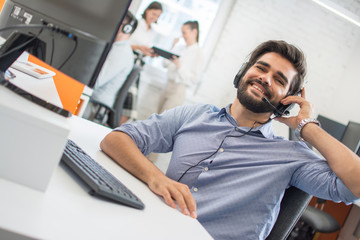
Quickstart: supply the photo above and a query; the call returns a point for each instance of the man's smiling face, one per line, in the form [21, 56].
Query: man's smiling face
[269, 77]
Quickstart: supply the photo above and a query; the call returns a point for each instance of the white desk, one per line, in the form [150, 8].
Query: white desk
[67, 211]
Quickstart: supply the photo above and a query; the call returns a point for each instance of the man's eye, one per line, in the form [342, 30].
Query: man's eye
[261, 68]
[280, 81]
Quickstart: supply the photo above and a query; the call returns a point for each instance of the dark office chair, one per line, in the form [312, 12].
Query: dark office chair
[292, 207]
[106, 115]
[115, 115]
[319, 220]
[139, 58]
[332, 127]
[314, 221]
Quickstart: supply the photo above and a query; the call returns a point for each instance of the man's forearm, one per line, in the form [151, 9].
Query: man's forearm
[122, 149]
[344, 162]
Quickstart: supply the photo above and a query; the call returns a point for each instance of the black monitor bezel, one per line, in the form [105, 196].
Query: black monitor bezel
[61, 27]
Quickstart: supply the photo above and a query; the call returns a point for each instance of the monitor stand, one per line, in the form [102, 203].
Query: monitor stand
[12, 48]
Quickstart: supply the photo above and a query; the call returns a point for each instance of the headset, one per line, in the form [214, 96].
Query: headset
[243, 69]
[129, 27]
[281, 109]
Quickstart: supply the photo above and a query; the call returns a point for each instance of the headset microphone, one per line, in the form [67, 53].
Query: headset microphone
[276, 111]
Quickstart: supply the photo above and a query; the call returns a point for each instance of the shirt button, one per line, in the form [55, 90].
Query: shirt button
[206, 169]
[221, 150]
[236, 129]
[196, 189]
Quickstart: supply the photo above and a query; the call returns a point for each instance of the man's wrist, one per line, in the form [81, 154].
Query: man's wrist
[302, 124]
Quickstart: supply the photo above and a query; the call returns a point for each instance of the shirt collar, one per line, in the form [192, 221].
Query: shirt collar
[266, 129]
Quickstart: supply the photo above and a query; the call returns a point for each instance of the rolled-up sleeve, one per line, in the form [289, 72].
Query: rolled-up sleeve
[317, 178]
[155, 134]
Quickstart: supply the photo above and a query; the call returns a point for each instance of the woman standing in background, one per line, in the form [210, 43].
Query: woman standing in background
[141, 42]
[143, 38]
[184, 71]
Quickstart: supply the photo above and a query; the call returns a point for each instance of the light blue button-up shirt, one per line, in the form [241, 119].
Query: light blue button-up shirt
[114, 72]
[237, 178]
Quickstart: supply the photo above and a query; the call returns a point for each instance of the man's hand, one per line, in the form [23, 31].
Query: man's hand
[122, 149]
[172, 192]
[306, 109]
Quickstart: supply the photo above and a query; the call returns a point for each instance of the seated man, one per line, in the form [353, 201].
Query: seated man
[228, 168]
[116, 68]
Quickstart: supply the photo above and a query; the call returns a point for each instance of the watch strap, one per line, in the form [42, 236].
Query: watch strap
[302, 125]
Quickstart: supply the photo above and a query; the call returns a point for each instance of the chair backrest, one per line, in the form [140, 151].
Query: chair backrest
[115, 115]
[351, 137]
[332, 127]
[292, 207]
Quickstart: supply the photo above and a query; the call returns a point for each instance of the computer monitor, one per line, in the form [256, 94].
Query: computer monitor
[73, 36]
[332, 127]
[351, 137]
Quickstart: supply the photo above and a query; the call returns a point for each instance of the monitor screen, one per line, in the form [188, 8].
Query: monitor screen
[332, 127]
[351, 137]
[78, 35]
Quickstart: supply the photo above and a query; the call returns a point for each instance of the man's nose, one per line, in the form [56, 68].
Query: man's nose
[266, 79]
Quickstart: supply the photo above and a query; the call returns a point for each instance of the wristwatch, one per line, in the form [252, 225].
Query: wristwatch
[302, 124]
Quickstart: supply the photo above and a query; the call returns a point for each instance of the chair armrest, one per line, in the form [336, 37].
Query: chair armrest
[292, 206]
[319, 220]
[101, 104]
[102, 112]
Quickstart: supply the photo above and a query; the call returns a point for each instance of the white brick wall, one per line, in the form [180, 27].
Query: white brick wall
[331, 44]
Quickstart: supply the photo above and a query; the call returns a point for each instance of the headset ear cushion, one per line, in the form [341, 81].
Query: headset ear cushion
[127, 28]
[237, 79]
[240, 74]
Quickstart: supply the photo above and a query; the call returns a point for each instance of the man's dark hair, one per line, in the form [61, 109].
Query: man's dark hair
[287, 51]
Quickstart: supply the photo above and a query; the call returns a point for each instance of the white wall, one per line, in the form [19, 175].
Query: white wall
[331, 44]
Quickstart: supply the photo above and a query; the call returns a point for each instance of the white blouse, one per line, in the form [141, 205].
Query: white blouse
[143, 35]
[191, 65]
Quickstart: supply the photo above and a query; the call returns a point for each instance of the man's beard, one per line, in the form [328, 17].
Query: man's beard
[249, 102]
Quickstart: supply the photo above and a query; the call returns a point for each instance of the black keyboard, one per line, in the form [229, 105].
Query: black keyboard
[100, 181]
